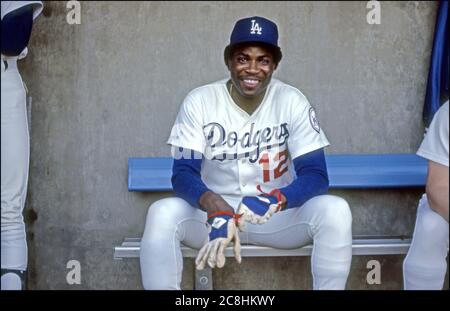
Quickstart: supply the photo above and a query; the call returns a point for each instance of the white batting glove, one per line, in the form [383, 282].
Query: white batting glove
[223, 231]
[259, 209]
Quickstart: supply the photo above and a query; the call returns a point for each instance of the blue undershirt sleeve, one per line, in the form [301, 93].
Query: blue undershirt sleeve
[16, 30]
[186, 180]
[312, 179]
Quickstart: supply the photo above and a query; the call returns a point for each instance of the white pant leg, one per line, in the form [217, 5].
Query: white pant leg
[425, 264]
[15, 148]
[324, 220]
[169, 222]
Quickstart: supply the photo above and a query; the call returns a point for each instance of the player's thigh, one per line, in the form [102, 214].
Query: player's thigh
[296, 227]
[286, 229]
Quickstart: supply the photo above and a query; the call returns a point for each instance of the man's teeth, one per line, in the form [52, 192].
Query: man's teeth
[248, 81]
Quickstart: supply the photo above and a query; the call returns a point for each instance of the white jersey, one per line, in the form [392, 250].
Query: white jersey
[240, 150]
[9, 6]
[435, 144]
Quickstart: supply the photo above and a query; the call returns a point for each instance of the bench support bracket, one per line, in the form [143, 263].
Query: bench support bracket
[203, 279]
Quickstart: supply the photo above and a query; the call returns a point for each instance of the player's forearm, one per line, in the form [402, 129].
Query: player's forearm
[186, 181]
[312, 179]
[188, 185]
[213, 203]
[438, 199]
[304, 188]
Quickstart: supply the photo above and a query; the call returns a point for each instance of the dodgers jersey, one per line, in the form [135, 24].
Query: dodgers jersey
[240, 150]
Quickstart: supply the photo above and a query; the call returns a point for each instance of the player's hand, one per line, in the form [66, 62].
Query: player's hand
[223, 231]
[259, 209]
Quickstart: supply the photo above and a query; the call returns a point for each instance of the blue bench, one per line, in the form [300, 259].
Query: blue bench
[345, 172]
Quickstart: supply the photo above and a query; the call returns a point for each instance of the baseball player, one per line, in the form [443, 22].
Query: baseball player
[425, 264]
[248, 166]
[17, 20]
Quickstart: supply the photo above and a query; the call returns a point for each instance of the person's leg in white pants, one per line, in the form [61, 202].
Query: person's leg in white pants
[425, 264]
[15, 148]
[326, 220]
[169, 222]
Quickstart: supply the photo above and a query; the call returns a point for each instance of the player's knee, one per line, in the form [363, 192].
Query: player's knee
[167, 209]
[159, 224]
[336, 213]
[164, 215]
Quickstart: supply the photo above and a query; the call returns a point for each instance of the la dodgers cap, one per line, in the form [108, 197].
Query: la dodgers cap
[255, 29]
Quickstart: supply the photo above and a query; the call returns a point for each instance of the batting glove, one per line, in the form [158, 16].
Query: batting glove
[259, 209]
[223, 231]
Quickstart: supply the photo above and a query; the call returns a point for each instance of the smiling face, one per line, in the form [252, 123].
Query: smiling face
[251, 68]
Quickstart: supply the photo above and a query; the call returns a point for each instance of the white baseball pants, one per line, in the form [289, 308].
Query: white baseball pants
[325, 220]
[425, 264]
[15, 149]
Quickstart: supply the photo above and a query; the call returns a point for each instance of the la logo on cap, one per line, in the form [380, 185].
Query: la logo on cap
[255, 28]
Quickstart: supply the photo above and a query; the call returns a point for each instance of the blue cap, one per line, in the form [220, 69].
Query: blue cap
[255, 29]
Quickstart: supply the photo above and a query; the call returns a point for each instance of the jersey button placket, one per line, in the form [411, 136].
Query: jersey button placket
[241, 169]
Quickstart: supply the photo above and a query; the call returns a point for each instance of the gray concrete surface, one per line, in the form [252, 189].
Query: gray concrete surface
[110, 88]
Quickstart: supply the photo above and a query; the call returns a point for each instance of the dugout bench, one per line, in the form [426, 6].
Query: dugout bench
[375, 171]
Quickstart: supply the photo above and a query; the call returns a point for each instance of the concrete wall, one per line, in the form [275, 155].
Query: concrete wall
[110, 88]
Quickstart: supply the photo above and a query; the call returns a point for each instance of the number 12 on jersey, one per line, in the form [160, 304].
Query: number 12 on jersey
[281, 157]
